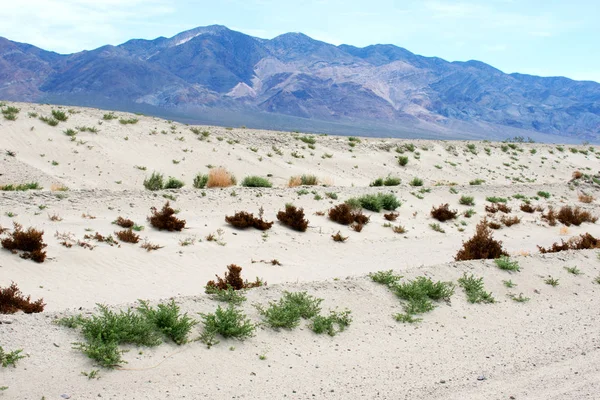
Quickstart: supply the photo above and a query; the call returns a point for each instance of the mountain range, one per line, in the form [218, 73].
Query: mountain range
[218, 75]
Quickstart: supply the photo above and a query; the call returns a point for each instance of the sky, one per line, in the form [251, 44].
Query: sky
[540, 37]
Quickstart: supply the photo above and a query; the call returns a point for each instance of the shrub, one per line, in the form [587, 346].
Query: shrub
[124, 223]
[173, 183]
[229, 323]
[321, 324]
[220, 177]
[290, 309]
[30, 242]
[109, 116]
[388, 181]
[494, 225]
[550, 216]
[9, 358]
[543, 194]
[233, 280]
[528, 208]
[165, 219]
[585, 198]
[574, 216]
[200, 181]
[128, 236]
[309, 180]
[256, 181]
[494, 199]
[494, 208]
[476, 182]
[155, 182]
[504, 263]
[474, 289]
[243, 220]
[510, 221]
[167, 318]
[387, 278]
[467, 200]
[443, 213]
[581, 242]
[391, 216]
[59, 115]
[48, 120]
[128, 121]
[402, 160]
[228, 295]
[21, 187]
[339, 238]
[375, 202]
[420, 292]
[416, 182]
[346, 215]
[293, 217]
[481, 246]
[12, 300]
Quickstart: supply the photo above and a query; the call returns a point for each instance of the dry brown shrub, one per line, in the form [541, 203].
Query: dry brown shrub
[391, 216]
[443, 213]
[30, 242]
[345, 215]
[295, 181]
[165, 219]
[293, 217]
[124, 223]
[494, 208]
[339, 238]
[399, 229]
[87, 216]
[220, 177]
[127, 235]
[150, 246]
[528, 208]
[233, 279]
[510, 221]
[550, 216]
[243, 220]
[481, 246]
[12, 300]
[581, 242]
[494, 225]
[357, 227]
[577, 175]
[574, 216]
[585, 198]
[54, 217]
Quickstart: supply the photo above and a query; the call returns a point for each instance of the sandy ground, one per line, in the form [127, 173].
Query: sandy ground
[546, 348]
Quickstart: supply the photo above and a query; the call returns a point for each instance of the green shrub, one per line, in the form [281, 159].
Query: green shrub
[506, 264]
[309, 180]
[167, 318]
[494, 199]
[402, 160]
[416, 182]
[109, 116]
[229, 295]
[256, 181]
[229, 323]
[288, 311]
[59, 115]
[543, 194]
[155, 182]
[475, 290]
[128, 121]
[341, 320]
[420, 292]
[48, 120]
[476, 182]
[387, 278]
[375, 202]
[173, 183]
[200, 181]
[10, 358]
[467, 200]
[21, 187]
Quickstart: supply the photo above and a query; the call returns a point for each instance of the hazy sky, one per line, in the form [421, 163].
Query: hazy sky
[542, 37]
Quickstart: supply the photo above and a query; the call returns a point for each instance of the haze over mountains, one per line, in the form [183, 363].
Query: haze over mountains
[216, 75]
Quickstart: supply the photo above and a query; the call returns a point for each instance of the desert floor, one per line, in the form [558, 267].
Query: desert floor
[545, 348]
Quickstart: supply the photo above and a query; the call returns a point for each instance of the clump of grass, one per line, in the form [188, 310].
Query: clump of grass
[10, 358]
[387, 181]
[509, 284]
[60, 115]
[155, 182]
[21, 187]
[200, 181]
[476, 182]
[520, 298]
[505, 263]
[436, 227]
[481, 246]
[233, 280]
[416, 182]
[420, 293]
[391, 216]
[573, 270]
[551, 281]
[443, 213]
[290, 309]
[220, 177]
[293, 217]
[467, 200]
[474, 289]
[128, 121]
[165, 219]
[469, 213]
[243, 220]
[173, 183]
[49, 120]
[13, 300]
[30, 242]
[228, 322]
[543, 194]
[376, 202]
[387, 278]
[336, 321]
[256, 181]
[494, 199]
[402, 160]
[109, 116]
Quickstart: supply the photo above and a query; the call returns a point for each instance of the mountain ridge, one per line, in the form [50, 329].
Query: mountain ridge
[295, 75]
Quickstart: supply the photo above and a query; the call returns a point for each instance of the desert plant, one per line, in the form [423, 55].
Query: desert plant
[244, 220]
[476, 182]
[128, 236]
[30, 242]
[387, 278]
[416, 182]
[550, 216]
[21, 187]
[474, 289]
[328, 324]
[391, 216]
[169, 320]
[60, 115]
[173, 183]
[124, 223]
[290, 309]
[437, 228]
[510, 221]
[585, 198]
[256, 181]
[293, 217]
[504, 263]
[200, 181]
[551, 281]
[229, 323]
[574, 216]
[402, 160]
[481, 246]
[165, 219]
[469, 213]
[233, 280]
[155, 182]
[494, 199]
[13, 300]
[10, 358]
[573, 270]
[495, 207]
[339, 238]
[49, 120]
[528, 208]
[420, 292]
[229, 295]
[346, 215]
[128, 121]
[543, 194]
[467, 200]
[220, 177]
[581, 242]
[443, 213]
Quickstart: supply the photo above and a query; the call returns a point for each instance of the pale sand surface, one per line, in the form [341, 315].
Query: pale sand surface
[546, 348]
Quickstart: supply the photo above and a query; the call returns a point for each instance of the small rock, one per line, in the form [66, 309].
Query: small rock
[65, 396]
[442, 381]
[55, 345]
[481, 378]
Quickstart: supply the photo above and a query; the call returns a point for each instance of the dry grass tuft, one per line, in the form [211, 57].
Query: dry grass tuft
[165, 219]
[585, 198]
[481, 246]
[494, 208]
[574, 216]
[391, 216]
[30, 242]
[339, 238]
[510, 221]
[220, 177]
[150, 246]
[124, 223]
[528, 208]
[577, 175]
[233, 279]
[12, 300]
[58, 187]
[128, 236]
[295, 181]
[293, 217]
[443, 213]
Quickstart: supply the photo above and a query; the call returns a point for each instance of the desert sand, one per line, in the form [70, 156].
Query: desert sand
[545, 348]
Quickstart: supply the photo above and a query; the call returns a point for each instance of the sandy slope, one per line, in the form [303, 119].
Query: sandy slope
[545, 348]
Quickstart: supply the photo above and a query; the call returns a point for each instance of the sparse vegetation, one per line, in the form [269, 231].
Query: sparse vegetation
[290, 309]
[443, 213]
[220, 177]
[474, 289]
[581, 242]
[243, 220]
[10, 358]
[200, 181]
[256, 181]
[505, 263]
[344, 214]
[173, 183]
[232, 280]
[481, 246]
[165, 219]
[12, 300]
[336, 319]
[293, 217]
[155, 182]
[467, 200]
[30, 242]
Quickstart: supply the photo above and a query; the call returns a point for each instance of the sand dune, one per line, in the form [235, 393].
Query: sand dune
[541, 349]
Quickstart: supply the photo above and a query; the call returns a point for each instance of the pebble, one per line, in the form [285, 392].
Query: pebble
[481, 378]
[65, 396]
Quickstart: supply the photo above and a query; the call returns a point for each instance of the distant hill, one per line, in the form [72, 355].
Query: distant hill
[292, 81]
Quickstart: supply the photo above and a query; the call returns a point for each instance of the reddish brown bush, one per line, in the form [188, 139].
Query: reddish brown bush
[165, 219]
[577, 175]
[357, 227]
[443, 213]
[494, 225]
[127, 235]
[481, 246]
[345, 215]
[585, 198]
[124, 223]
[494, 208]
[550, 216]
[12, 300]
[233, 279]
[574, 216]
[510, 221]
[528, 208]
[339, 238]
[30, 242]
[243, 220]
[293, 217]
[581, 242]
[391, 216]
